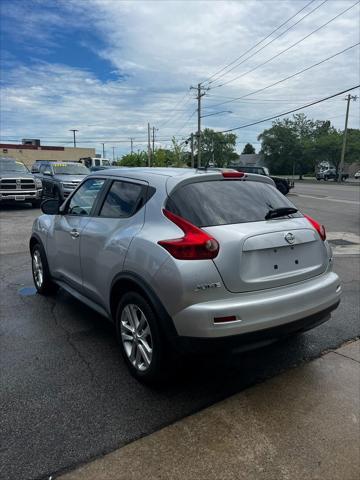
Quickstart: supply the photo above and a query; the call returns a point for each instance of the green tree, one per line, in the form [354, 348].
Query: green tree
[138, 159]
[248, 149]
[298, 144]
[218, 148]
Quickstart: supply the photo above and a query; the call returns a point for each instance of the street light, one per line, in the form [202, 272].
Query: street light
[74, 132]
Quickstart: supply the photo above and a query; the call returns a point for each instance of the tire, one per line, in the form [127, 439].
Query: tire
[36, 203]
[40, 270]
[283, 189]
[143, 353]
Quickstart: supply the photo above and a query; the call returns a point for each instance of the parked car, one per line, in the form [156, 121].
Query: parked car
[93, 162]
[357, 174]
[181, 259]
[330, 174]
[17, 184]
[59, 179]
[284, 185]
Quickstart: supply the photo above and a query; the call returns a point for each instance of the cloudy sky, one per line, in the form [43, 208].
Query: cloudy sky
[107, 67]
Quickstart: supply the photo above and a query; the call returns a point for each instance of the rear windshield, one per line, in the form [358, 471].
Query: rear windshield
[222, 202]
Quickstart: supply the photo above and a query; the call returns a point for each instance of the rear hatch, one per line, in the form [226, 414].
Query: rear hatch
[254, 253]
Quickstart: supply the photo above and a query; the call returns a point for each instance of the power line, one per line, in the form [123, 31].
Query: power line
[187, 94]
[290, 111]
[286, 49]
[258, 43]
[271, 41]
[288, 77]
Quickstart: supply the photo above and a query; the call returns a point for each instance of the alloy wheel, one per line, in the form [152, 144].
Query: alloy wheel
[136, 337]
[37, 268]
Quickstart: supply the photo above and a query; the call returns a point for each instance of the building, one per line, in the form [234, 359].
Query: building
[31, 150]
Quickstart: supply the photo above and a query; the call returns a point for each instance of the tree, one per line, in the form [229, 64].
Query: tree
[138, 159]
[248, 149]
[298, 144]
[218, 148]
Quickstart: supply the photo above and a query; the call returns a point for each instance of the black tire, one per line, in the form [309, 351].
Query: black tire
[46, 286]
[282, 188]
[36, 203]
[155, 370]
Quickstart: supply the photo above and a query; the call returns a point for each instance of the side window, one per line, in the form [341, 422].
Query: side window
[43, 167]
[122, 200]
[83, 200]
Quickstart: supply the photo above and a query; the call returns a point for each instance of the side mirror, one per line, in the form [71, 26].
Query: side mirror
[48, 172]
[50, 207]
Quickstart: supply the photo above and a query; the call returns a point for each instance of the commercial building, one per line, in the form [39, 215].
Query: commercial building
[31, 150]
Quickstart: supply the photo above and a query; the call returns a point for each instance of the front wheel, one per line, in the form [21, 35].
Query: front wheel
[40, 270]
[140, 339]
[36, 203]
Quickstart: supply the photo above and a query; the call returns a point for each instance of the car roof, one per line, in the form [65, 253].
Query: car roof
[172, 176]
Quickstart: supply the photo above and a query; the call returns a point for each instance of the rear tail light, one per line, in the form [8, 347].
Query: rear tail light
[194, 245]
[230, 174]
[319, 228]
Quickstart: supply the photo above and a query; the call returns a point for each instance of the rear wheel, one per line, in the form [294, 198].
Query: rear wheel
[283, 188]
[40, 270]
[140, 339]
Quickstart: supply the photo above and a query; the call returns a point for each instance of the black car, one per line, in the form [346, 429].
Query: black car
[330, 174]
[59, 179]
[284, 185]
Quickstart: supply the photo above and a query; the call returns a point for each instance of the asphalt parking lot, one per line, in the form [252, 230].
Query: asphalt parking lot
[66, 395]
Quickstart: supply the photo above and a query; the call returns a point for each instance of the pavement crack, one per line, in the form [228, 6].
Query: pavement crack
[69, 340]
[345, 356]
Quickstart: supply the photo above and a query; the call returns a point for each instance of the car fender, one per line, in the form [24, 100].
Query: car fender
[125, 280]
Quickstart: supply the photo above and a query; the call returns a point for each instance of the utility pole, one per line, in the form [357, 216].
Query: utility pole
[131, 145]
[103, 154]
[200, 93]
[149, 147]
[74, 133]
[192, 150]
[113, 149]
[341, 166]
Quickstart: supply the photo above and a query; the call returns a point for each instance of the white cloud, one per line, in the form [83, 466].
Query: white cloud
[162, 48]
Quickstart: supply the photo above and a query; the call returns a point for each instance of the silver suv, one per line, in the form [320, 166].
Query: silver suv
[183, 259]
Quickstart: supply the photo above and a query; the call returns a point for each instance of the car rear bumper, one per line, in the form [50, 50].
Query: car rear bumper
[253, 340]
[262, 310]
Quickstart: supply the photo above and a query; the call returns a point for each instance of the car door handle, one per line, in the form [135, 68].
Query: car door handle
[74, 233]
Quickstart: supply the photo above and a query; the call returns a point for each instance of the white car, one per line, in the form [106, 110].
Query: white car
[357, 174]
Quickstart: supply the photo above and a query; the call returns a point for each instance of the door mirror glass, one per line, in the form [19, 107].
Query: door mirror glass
[47, 172]
[50, 207]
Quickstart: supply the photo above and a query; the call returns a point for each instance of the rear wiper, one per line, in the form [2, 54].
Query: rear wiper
[280, 212]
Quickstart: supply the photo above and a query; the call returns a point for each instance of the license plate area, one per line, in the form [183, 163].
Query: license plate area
[282, 263]
[19, 197]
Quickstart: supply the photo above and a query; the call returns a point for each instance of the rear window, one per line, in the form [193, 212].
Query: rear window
[222, 202]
